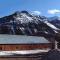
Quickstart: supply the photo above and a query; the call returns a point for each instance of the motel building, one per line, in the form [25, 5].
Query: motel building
[21, 44]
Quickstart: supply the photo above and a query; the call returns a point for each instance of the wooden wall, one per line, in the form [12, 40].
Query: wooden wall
[24, 46]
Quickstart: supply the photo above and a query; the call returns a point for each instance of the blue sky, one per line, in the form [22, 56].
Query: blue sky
[45, 7]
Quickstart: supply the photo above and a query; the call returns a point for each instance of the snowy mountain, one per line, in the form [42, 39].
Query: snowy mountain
[55, 21]
[25, 23]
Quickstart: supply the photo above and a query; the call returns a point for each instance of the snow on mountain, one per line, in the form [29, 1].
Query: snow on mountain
[51, 25]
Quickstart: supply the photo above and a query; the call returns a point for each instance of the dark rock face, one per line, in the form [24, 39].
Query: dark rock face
[52, 55]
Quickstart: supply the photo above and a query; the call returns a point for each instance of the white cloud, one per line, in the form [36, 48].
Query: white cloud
[36, 12]
[54, 11]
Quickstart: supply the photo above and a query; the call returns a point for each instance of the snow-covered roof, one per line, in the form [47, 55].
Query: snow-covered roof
[21, 39]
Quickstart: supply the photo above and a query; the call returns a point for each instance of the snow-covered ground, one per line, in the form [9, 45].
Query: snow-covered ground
[23, 52]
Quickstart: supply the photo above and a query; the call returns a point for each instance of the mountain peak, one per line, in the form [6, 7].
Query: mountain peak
[54, 18]
[24, 12]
